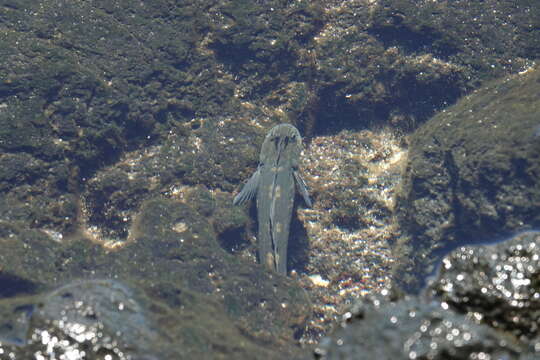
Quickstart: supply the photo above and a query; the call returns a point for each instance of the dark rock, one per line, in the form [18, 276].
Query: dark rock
[229, 222]
[111, 198]
[472, 175]
[173, 244]
[214, 155]
[105, 313]
[108, 108]
[76, 95]
[484, 302]
[79, 94]
[402, 60]
[497, 284]
[440, 27]
[264, 36]
[15, 317]
[24, 252]
[411, 329]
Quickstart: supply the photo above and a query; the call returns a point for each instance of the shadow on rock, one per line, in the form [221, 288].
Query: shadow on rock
[471, 177]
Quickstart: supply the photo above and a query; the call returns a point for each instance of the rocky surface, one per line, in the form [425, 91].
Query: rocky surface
[126, 127]
[496, 284]
[410, 329]
[87, 319]
[404, 60]
[472, 174]
[483, 304]
[198, 296]
[354, 176]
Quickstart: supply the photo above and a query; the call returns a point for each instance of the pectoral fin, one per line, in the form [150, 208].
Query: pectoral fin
[302, 188]
[249, 190]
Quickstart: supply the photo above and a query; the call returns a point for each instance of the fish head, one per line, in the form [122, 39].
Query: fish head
[283, 143]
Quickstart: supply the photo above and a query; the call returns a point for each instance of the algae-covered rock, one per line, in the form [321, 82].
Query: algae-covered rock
[38, 260]
[174, 244]
[83, 84]
[111, 199]
[400, 61]
[126, 126]
[472, 175]
[199, 297]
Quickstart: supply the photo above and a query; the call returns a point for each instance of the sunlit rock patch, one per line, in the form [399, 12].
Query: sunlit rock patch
[352, 177]
[471, 176]
[113, 195]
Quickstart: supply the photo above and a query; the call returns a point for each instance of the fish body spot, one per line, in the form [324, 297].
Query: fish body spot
[270, 260]
[277, 194]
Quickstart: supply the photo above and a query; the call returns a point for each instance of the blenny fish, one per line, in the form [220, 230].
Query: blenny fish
[274, 184]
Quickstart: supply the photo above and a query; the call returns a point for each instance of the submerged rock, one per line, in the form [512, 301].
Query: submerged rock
[411, 329]
[499, 284]
[472, 176]
[85, 319]
[192, 296]
[483, 303]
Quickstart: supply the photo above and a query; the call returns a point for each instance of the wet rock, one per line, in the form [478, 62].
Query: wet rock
[484, 302]
[200, 297]
[263, 36]
[79, 95]
[472, 175]
[96, 93]
[24, 252]
[91, 319]
[15, 320]
[173, 244]
[111, 113]
[102, 312]
[440, 27]
[497, 284]
[70, 106]
[19, 169]
[412, 329]
[111, 199]
[352, 176]
[216, 154]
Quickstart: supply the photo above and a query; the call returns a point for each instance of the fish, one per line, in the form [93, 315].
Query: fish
[274, 184]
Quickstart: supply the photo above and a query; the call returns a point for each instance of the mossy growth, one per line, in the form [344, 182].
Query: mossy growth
[230, 224]
[167, 228]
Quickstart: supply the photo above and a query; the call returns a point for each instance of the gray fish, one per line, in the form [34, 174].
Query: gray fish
[274, 184]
